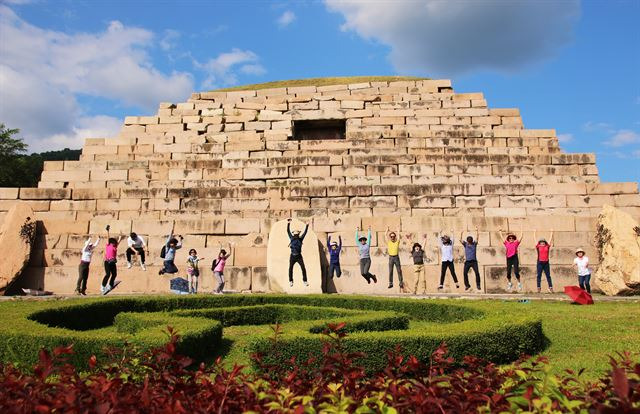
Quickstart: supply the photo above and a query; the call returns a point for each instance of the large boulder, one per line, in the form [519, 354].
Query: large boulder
[17, 235]
[618, 242]
[278, 253]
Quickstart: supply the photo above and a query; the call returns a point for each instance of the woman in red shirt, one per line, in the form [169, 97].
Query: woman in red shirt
[543, 248]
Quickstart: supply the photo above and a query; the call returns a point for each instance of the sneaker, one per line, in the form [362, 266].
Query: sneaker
[77, 292]
[83, 293]
[369, 281]
[467, 289]
[143, 266]
[390, 286]
[478, 288]
[375, 279]
[107, 289]
[401, 285]
[291, 283]
[102, 289]
[129, 265]
[306, 283]
[519, 286]
[509, 286]
[440, 287]
[550, 290]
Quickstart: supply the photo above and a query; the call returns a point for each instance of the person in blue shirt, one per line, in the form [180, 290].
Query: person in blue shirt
[334, 256]
[295, 244]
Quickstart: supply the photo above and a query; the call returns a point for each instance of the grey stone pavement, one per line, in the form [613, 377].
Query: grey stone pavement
[452, 296]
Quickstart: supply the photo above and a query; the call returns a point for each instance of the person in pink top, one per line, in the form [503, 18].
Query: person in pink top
[110, 260]
[543, 248]
[511, 244]
[218, 267]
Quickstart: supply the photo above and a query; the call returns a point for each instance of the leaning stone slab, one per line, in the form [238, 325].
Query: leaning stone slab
[278, 253]
[17, 236]
[618, 241]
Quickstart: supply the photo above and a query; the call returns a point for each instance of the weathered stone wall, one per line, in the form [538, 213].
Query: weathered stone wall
[417, 157]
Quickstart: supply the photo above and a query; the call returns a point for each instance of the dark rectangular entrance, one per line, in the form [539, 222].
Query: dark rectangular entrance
[319, 129]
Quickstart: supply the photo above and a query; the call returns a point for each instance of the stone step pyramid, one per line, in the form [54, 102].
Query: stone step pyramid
[414, 156]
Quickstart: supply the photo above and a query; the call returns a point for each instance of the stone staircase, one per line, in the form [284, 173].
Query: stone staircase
[223, 166]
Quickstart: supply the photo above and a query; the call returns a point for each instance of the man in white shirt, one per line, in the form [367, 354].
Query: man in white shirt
[136, 246]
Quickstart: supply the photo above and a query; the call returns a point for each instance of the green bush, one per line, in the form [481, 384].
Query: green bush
[376, 325]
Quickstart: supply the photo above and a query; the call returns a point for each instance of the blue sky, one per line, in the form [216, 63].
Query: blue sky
[73, 69]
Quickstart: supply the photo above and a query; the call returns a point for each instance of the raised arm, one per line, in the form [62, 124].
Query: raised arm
[462, 237]
[289, 229]
[386, 235]
[535, 237]
[328, 241]
[453, 237]
[95, 244]
[306, 228]
[477, 236]
[339, 242]
[168, 239]
[369, 236]
[501, 235]
[551, 237]
[230, 251]
[86, 244]
[179, 245]
[521, 234]
[357, 238]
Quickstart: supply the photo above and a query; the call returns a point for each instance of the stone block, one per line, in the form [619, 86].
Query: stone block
[201, 226]
[9, 193]
[245, 204]
[309, 171]
[265, 173]
[348, 170]
[45, 193]
[612, 188]
[109, 175]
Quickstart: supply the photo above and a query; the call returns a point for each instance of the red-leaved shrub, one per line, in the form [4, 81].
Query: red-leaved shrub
[161, 381]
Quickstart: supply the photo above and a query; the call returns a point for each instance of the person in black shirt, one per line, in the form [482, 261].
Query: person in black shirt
[295, 243]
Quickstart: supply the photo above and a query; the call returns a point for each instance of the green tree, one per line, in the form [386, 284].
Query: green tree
[20, 170]
[11, 150]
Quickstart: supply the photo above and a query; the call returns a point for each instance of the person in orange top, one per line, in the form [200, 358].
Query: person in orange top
[393, 247]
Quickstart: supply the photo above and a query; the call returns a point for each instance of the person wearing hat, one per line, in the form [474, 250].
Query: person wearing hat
[334, 256]
[543, 248]
[470, 260]
[446, 256]
[417, 253]
[511, 243]
[364, 247]
[295, 244]
[581, 262]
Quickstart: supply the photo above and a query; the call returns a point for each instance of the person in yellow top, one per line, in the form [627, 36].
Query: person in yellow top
[393, 246]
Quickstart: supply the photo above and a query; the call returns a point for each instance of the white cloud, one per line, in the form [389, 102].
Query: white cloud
[169, 40]
[42, 72]
[564, 138]
[591, 126]
[220, 70]
[286, 18]
[623, 137]
[99, 126]
[450, 37]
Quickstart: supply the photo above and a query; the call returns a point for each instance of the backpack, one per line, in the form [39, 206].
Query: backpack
[163, 252]
[214, 264]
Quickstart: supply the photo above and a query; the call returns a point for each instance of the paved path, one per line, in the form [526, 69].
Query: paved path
[464, 296]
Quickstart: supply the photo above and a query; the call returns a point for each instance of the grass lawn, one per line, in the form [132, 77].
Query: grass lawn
[579, 336]
[319, 82]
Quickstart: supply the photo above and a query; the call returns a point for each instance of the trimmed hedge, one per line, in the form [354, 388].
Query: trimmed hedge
[377, 325]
